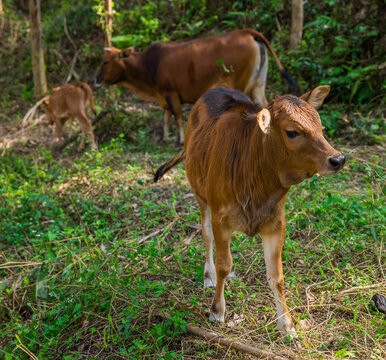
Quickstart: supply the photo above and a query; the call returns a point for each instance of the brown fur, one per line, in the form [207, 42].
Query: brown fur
[70, 101]
[241, 162]
[175, 73]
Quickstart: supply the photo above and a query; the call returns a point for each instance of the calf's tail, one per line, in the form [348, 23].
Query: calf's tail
[89, 95]
[162, 170]
[291, 81]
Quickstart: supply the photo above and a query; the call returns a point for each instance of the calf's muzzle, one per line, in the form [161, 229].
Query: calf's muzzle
[337, 162]
[97, 82]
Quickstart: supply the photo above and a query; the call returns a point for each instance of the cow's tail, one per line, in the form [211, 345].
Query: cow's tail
[162, 170]
[89, 95]
[291, 81]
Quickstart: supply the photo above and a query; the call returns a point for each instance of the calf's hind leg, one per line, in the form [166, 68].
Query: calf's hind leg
[86, 128]
[224, 262]
[206, 224]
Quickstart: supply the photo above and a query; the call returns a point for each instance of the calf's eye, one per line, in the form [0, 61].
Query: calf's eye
[292, 133]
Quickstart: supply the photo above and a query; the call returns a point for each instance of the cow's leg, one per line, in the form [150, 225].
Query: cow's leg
[258, 91]
[222, 237]
[167, 114]
[206, 223]
[175, 107]
[272, 243]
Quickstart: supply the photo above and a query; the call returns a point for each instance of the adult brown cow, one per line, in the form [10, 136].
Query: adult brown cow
[241, 160]
[175, 73]
[70, 101]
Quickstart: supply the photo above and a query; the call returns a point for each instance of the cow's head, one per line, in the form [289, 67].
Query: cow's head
[47, 110]
[294, 129]
[113, 68]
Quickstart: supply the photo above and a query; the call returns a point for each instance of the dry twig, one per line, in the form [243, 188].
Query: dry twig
[307, 293]
[151, 235]
[27, 351]
[71, 71]
[67, 34]
[382, 283]
[12, 264]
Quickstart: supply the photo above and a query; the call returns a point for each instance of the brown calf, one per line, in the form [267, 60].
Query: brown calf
[175, 73]
[70, 101]
[241, 160]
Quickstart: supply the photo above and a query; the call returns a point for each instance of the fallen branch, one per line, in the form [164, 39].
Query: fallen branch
[13, 138]
[31, 112]
[249, 349]
[221, 340]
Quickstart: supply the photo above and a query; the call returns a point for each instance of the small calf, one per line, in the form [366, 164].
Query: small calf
[70, 101]
[241, 160]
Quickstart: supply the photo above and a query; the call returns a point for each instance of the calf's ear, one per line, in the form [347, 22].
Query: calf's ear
[316, 97]
[45, 102]
[264, 120]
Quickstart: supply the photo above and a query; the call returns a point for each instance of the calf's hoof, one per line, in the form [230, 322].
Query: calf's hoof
[286, 327]
[232, 276]
[216, 317]
[217, 311]
[209, 284]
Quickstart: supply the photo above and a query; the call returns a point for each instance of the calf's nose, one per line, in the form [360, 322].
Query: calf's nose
[337, 161]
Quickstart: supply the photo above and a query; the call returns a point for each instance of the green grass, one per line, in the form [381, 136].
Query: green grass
[97, 262]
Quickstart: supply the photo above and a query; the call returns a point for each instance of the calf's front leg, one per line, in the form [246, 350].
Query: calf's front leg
[59, 123]
[223, 264]
[273, 243]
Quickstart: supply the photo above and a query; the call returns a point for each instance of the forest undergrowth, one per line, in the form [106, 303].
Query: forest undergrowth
[97, 262]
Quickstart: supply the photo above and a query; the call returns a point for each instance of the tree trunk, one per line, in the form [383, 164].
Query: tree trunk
[108, 23]
[297, 23]
[39, 73]
[1, 18]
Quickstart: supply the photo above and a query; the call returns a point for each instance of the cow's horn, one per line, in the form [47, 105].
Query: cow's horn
[107, 49]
